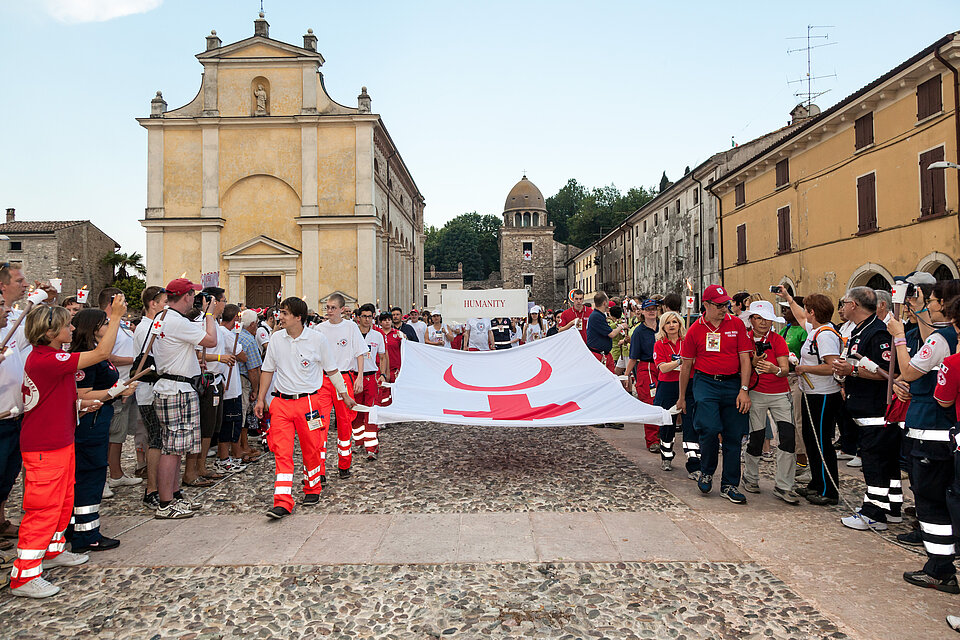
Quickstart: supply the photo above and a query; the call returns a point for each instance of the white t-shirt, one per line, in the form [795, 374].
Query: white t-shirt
[20, 338]
[225, 341]
[346, 342]
[420, 328]
[828, 344]
[533, 331]
[438, 335]
[141, 336]
[375, 345]
[298, 363]
[931, 354]
[478, 328]
[263, 335]
[846, 329]
[11, 374]
[124, 348]
[175, 352]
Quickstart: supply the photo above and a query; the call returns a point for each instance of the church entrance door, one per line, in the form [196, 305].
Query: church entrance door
[262, 291]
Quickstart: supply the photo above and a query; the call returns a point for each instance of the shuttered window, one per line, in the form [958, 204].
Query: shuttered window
[741, 244]
[783, 229]
[711, 242]
[933, 190]
[783, 172]
[863, 131]
[929, 98]
[740, 192]
[867, 203]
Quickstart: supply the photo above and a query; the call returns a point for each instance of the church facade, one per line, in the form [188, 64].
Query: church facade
[264, 179]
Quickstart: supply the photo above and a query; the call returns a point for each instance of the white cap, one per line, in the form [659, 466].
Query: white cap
[763, 309]
[535, 309]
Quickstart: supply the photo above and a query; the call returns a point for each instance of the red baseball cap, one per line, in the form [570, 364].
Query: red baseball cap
[715, 293]
[611, 304]
[181, 286]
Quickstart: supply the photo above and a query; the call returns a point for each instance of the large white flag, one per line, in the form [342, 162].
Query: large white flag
[552, 382]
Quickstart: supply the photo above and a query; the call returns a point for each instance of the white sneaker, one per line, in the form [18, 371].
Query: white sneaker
[36, 588]
[861, 522]
[107, 491]
[123, 481]
[894, 519]
[855, 462]
[176, 510]
[211, 452]
[954, 622]
[237, 465]
[65, 559]
[844, 456]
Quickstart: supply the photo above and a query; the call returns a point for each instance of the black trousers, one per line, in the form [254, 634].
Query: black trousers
[931, 480]
[92, 441]
[820, 414]
[880, 453]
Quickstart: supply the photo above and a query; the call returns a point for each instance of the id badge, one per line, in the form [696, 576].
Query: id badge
[713, 342]
[313, 420]
[216, 401]
[653, 390]
[579, 324]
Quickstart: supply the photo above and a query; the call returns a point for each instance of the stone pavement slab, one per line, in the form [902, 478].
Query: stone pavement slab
[496, 537]
[262, 541]
[572, 537]
[648, 536]
[420, 538]
[344, 539]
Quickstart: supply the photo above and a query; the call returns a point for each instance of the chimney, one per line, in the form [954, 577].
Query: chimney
[433, 270]
[363, 101]
[261, 27]
[460, 268]
[310, 40]
[157, 106]
[213, 42]
[11, 214]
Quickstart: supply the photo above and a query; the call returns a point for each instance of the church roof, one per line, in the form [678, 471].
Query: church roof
[525, 195]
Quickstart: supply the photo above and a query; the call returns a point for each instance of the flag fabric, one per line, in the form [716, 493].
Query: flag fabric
[551, 382]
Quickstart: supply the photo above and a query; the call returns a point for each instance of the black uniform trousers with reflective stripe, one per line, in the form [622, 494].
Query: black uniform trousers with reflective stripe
[931, 479]
[667, 395]
[880, 453]
[92, 441]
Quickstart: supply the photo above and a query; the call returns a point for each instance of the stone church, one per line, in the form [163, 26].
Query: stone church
[529, 256]
[267, 181]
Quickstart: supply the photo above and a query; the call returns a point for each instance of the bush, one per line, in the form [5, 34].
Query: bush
[132, 290]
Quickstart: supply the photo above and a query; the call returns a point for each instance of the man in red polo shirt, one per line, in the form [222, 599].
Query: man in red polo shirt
[576, 317]
[717, 348]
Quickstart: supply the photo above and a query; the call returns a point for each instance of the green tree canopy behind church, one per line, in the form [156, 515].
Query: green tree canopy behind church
[581, 216]
[469, 238]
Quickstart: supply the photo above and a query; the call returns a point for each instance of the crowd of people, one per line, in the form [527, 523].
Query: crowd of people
[802, 381]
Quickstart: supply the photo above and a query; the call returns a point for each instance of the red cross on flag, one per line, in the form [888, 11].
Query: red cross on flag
[157, 327]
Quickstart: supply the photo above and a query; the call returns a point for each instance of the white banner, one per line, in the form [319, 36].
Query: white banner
[551, 382]
[458, 304]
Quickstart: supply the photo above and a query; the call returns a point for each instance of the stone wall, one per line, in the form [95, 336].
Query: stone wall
[541, 265]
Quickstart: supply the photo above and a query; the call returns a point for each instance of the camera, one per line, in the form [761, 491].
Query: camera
[763, 347]
[202, 298]
[774, 288]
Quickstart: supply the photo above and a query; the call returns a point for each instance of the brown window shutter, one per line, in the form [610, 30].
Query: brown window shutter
[783, 172]
[937, 183]
[742, 243]
[863, 131]
[929, 98]
[867, 203]
[927, 178]
[740, 194]
[783, 229]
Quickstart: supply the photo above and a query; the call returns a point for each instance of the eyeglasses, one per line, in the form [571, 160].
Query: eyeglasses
[366, 316]
[719, 305]
[847, 302]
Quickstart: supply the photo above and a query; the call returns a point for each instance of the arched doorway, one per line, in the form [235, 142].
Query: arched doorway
[871, 275]
[943, 272]
[877, 281]
[940, 265]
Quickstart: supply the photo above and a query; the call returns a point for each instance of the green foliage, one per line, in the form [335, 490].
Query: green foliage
[132, 290]
[581, 217]
[122, 262]
[469, 238]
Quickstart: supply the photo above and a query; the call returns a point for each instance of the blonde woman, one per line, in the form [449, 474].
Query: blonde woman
[666, 357]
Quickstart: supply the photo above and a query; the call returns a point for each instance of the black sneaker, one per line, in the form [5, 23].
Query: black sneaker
[310, 499]
[103, 544]
[277, 513]
[912, 538]
[921, 579]
[705, 483]
[151, 500]
[344, 473]
[615, 425]
[817, 499]
[804, 491]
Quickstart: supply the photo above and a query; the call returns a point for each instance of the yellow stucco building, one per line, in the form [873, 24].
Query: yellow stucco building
[848, 199]
[267, 180]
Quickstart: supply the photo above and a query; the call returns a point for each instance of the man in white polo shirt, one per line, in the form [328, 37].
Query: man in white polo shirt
[348, 348]
[297, 365]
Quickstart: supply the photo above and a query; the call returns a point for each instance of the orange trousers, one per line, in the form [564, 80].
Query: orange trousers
[364, 431]
[646, 388]
[289, 417]
[344, 419]
[47, 506]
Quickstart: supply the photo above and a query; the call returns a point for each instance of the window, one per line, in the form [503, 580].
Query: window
[863, 131]
[655, 219]
[783, 172]
[376, 166]
[528, 280]
[783, 229]
[867, 203]
[17, 245]
[678, 206]
[443, 285]
[740, 195]
[425, 301]
[741, 243]
[933, 193]
[666, 259]
[696, 196]
[644, 226]
[679, 252]
[528, 251]
[929, 98]
[696, 248]
[710, 244]
[666, 213]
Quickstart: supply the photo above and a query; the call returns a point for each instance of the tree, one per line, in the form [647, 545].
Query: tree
[132, 290]
[564, 205]
[120, 262]
[471, 239]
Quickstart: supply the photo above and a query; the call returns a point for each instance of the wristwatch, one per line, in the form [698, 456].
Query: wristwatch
[744, 388]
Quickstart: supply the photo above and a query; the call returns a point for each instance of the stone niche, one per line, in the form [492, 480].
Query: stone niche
[260, 96]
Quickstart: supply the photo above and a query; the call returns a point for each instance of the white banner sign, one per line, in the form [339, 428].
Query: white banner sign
[551, 382]
[490, 303]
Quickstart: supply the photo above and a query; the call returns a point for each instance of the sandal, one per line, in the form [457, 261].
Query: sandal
[199, 482]
[251, 457]
[213, 475]
[8, 529]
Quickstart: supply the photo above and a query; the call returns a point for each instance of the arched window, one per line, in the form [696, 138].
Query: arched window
[526, 218]
[536, 219]
[518, 220]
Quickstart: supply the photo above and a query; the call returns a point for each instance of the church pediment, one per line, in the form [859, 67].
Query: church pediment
[261, 246]
[259, 47]
[350, 300]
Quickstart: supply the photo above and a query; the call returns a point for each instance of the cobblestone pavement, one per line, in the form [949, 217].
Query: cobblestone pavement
[622, 601]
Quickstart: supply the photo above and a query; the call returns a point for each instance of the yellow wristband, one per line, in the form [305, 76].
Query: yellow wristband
[209, 314]
[218, 357]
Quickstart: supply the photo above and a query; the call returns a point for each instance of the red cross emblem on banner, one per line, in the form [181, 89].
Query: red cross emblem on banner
[511, 406]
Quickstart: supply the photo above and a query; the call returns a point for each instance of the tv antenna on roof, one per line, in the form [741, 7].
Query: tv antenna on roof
[811, 37]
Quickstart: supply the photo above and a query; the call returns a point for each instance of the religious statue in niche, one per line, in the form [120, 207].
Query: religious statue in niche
[261, 95]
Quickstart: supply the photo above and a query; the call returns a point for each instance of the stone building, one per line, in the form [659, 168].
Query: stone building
[72, 250]
[267, 180]
[529, 256]
[436, 282]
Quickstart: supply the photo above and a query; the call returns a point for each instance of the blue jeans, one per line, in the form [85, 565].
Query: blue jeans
[717, 414]
[10, 461]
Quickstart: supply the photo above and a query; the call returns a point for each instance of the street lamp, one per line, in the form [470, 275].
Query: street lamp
[942, 164]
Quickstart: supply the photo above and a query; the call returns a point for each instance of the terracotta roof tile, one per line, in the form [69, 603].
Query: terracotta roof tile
[38, 226]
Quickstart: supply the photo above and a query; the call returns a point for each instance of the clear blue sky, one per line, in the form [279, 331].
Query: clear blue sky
[473, 93]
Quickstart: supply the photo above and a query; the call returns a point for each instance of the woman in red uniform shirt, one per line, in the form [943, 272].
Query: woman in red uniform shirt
[666, 357]
[46, 443]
